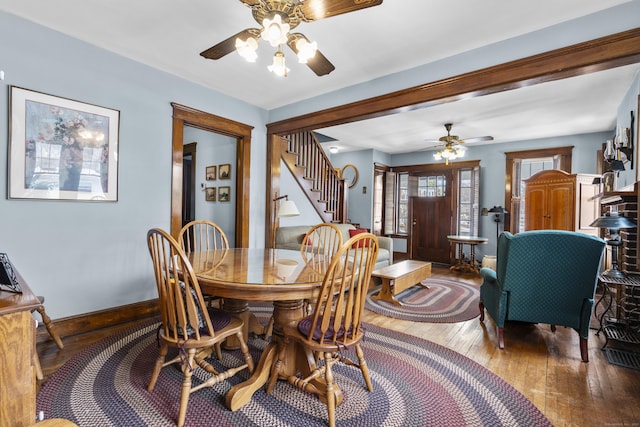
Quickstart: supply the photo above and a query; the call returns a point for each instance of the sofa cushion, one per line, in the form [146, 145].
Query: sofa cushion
[290, 237]
[354, 232]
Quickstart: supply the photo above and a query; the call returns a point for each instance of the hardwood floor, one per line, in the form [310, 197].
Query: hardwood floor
[544, 366]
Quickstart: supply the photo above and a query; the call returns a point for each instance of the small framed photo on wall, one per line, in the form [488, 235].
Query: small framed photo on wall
[210, 173]
[210, 194]
[225, 171]
[224, 194]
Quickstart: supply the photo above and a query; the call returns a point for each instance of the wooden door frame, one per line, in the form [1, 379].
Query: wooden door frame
[600, 54]
[187, 116]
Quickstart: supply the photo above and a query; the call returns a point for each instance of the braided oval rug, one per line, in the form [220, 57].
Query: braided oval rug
[416, 383]
[444, 301]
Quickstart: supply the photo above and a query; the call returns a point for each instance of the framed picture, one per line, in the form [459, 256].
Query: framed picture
[8, 278]
[224, 194]
[61, 149]
[210, 194]
[225, 171]
[210, 173]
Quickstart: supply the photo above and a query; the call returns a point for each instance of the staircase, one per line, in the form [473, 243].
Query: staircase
[315, 174]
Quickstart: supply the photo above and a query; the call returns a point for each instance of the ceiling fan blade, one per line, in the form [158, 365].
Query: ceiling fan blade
[229, 45]
[477, 139]
[319, 64]
[314, 10]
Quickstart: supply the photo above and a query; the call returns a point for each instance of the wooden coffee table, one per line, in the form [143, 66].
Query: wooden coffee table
[399, 277]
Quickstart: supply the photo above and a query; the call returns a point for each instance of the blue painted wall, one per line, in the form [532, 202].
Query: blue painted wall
[90, 256]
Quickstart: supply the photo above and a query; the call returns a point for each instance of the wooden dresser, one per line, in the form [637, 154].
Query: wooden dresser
[17, 347]
[558, 200]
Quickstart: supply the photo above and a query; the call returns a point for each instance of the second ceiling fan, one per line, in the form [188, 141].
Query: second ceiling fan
[277, 18]
[453, 147]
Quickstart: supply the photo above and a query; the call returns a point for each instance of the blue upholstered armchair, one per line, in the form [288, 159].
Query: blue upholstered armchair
[543, 276]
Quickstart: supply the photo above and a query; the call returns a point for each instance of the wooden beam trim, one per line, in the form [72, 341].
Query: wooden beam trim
[595, 55]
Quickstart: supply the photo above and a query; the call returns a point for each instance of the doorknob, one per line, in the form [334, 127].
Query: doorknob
[414, 223]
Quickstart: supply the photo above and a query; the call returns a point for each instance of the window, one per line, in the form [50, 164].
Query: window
[403, 203]
[378, 201]
[468, 201]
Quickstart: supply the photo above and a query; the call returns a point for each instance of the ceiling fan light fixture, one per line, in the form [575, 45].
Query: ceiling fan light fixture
[279, 66]
[306, 50]
[247, 48]
[275, 30]
[450, 152]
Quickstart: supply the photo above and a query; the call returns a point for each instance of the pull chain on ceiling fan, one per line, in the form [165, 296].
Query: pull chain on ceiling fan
[277, 18]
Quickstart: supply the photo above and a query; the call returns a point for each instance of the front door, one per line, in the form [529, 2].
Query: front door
[432, 218]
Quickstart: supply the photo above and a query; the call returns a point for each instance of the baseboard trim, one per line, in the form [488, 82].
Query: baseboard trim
[88, 322]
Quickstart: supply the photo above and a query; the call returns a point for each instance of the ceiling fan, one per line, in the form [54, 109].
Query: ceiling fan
[454, 146]
[277, 18]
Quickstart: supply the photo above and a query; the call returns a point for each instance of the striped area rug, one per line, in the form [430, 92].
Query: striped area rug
[416, 383]
[445, 301]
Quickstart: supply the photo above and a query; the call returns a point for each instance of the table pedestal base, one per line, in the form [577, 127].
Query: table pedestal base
[294, 359]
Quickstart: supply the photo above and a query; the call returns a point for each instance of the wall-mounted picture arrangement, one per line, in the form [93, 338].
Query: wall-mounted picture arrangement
[224, 194]
[210, 173]
[225, 171]
[62, 149]
[210, 194]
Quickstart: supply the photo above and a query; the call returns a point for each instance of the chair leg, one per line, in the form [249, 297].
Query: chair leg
[363, 367]
[331, 398]
[50, 326]
[187, 372]
[244, 349]
[501, 338]
[158, 366]
[37, 367]
[481, 305]
[268, 330]
[584, 350]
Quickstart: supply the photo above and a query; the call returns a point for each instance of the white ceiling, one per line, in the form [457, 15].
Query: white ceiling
[169, 35]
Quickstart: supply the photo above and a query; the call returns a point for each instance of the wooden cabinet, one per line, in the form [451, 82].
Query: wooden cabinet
[17, 347]
[556, 200]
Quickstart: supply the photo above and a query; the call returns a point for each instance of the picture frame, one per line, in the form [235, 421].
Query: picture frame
[224, 194]
[210, 173]
[8, 278]
[225, 171]
[61, 149]
[210, 194]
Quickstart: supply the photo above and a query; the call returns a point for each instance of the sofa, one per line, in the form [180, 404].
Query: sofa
[291, 238]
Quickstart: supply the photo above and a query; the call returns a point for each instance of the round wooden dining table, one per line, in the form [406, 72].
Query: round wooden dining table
[280, 276]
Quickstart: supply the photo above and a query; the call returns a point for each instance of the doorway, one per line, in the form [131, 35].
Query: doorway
[432, 218]
[186, 116]
[188, 183]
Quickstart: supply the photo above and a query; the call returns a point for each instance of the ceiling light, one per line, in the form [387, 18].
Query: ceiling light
[450, 152]
[274, 30]
[333, 150]
[279, 67]
[247, 48]
[306, 50]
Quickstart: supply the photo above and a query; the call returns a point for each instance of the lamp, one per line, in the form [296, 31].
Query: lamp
[333, 149]
[279, 68]
[275, 30]
[613, 222]
[450, 152]
[283, 209]
[498, 210]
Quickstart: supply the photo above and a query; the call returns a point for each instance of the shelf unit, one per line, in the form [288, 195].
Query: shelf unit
[621, 320]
